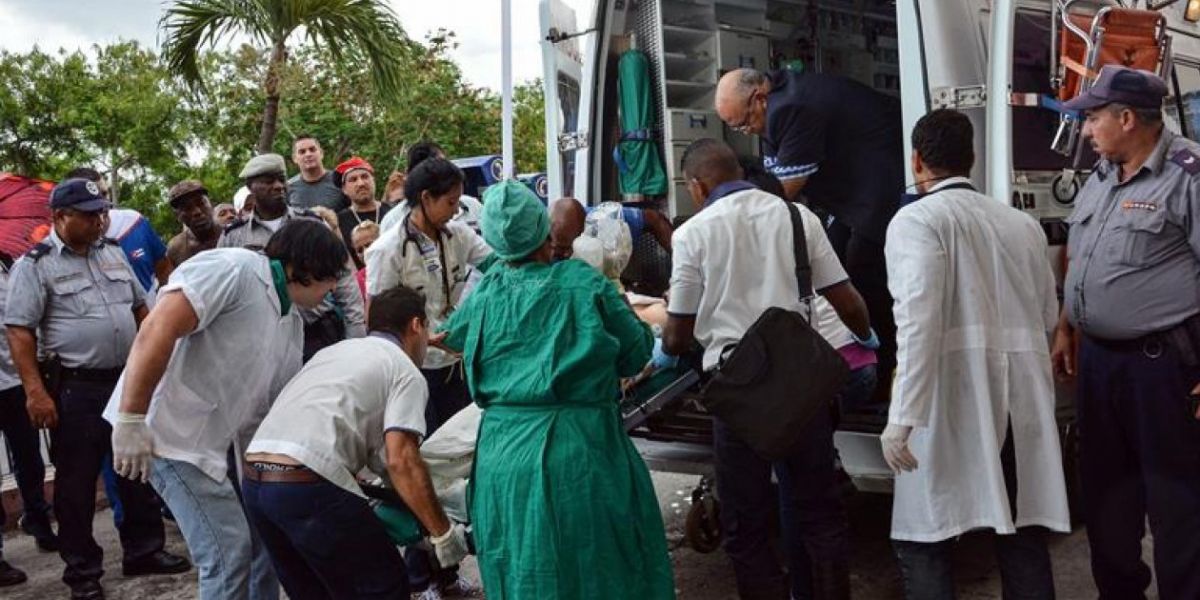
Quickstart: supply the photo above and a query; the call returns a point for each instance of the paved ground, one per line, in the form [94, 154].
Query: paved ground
[698, 576]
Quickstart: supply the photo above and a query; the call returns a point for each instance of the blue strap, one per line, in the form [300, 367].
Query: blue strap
[1051, 103]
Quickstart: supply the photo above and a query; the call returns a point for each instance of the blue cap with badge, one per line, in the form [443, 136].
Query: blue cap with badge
[1133, 87]
[79, 194]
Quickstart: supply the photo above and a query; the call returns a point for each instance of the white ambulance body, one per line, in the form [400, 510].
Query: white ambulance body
[999, 61]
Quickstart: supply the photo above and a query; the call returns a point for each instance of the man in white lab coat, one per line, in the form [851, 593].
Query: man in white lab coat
[971, 432]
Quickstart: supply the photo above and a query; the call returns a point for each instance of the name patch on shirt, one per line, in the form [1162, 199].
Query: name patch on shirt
[1139, 205]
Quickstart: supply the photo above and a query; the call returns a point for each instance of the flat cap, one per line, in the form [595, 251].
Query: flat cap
[1137, 88]
[79, 194]
[185, 188]
[264, 164]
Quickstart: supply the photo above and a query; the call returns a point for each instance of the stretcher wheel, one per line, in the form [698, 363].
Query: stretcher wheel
[703, 528]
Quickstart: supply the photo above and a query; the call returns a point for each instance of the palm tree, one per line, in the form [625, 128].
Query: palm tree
[364, 30]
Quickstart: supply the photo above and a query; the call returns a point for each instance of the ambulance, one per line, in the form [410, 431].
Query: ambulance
[1007, 64]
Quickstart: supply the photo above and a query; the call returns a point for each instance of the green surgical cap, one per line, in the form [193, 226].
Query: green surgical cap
[515, 222]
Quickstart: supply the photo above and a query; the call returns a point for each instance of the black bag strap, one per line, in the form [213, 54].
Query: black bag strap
[800, 248]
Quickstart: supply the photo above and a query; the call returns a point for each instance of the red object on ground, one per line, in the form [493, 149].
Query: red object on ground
[24, 213]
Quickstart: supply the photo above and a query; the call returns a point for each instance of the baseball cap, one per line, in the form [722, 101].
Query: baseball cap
[185, 188]
[78, 194]
[354, 162]
[1137, 88]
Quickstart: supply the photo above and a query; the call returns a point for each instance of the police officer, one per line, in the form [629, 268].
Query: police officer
[842, 143]
[1131, 292]
[77, 296]
[266, 178]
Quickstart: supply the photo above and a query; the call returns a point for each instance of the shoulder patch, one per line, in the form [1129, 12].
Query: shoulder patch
[1187, 160]
[38, 251]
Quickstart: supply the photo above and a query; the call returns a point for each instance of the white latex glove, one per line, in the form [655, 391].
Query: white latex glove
[450, 547]
[132, 446]
[895, 448]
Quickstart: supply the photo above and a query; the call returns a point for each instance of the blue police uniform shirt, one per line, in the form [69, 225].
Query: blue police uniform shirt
[846, 138]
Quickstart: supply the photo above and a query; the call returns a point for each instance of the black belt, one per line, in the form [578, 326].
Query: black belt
[80, 374]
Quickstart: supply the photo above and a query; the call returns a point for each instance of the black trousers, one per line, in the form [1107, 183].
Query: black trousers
[1139, 457]
[864, 261]
[22, 441]
[78, 447]
[812, 515]
[1024, 559]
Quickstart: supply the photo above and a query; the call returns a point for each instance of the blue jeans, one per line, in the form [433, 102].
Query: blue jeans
[232, 563]
[326, 542]
[860, 389]
[812, 514]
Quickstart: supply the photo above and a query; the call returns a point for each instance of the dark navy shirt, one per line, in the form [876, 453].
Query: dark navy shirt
[846, 138]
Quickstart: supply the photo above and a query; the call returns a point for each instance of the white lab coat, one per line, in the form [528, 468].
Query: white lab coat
[975, 303]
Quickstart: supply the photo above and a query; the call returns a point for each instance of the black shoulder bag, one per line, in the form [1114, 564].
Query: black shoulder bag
[780, 374]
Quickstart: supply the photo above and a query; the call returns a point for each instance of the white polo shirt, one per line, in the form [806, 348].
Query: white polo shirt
[334, 414]
[734, 260]
[404, 255]
[222, 376]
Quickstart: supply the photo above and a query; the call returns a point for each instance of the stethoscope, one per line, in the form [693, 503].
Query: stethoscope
[410, 236]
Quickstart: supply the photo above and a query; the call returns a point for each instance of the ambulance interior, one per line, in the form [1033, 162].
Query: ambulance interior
[691, 43]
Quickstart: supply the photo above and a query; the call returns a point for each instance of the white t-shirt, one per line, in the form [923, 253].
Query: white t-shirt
[222, 376]
[272, 224]
[735, 259]
[333, 415]
[827, 323]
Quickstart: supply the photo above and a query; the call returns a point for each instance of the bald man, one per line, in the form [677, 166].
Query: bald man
[568, 218]
[840, 142]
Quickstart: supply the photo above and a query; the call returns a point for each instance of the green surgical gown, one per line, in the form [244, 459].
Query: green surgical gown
[562, 505]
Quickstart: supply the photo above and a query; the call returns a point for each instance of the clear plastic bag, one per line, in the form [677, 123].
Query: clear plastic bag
[605, 224]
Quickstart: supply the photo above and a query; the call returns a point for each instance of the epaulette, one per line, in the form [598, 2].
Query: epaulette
[38, 251]
[1187, 160]
[234, 224]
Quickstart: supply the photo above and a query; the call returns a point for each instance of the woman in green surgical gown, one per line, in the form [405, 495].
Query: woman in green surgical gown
[562, 505]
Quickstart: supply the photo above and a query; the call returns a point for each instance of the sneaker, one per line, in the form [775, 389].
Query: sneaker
[430, 593]
[10, 575]
[461, 588]
[41, 532]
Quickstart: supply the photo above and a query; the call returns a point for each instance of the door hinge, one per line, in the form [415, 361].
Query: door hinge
[574, 140]
[967, 96]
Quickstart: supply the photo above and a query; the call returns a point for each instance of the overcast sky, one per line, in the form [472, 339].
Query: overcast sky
[72, 24]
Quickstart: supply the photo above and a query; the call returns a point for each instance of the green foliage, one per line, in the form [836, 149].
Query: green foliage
[362, 32]
[122, 111]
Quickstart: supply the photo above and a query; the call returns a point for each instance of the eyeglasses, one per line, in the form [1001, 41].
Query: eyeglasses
[743, 126]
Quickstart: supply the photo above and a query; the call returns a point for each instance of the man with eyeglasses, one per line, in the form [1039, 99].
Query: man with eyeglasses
[842, 144]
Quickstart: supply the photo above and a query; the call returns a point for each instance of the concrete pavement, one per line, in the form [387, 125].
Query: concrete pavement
[698, 576]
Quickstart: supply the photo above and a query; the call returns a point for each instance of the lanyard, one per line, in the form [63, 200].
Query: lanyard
[409, 236]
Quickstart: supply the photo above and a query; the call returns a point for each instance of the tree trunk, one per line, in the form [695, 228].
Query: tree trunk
[266, 137]
[114, 179]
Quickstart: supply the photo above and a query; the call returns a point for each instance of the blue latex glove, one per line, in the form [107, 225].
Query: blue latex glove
[660, 359]
[871, 343]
